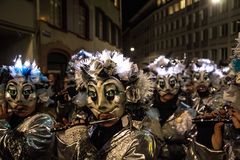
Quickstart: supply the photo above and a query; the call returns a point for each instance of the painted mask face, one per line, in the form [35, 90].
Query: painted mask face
[201, 81]
[167, 86]
[21, 98]
[106, 99]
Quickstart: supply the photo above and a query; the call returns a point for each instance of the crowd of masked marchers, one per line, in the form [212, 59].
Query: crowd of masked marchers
[109, 108]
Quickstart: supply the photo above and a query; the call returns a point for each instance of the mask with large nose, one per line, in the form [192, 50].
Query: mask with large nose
[21, 97]
[106, 99]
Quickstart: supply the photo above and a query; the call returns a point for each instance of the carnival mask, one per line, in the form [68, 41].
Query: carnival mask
[168, 86]
[106, 99]
[201, 81]
[21, 97]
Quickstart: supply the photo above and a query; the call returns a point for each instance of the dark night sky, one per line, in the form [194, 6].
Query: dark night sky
[129, 8]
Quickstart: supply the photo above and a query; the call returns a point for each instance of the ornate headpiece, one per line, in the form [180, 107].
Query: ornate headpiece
[26, 71]
[165, 66]
[203, 65]
[112, 64]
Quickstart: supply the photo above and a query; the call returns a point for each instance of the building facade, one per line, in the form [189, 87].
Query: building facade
[53, 30]
[199, 28]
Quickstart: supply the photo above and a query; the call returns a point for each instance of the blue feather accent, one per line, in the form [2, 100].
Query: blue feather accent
[236, 65]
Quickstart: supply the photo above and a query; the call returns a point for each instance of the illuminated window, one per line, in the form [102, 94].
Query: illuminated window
[163, 1]
[176, 7]
[189, 2]
[182, 4]
[159, 2]
[170, 10]
[116, 3]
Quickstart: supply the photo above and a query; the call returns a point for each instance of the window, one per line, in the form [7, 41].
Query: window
[224, 53]
[194, 37]
[116, 3]
[235, 27]
[177, 23]
[170, 10]
[182, 4]
[177, 41]
[214, 32]
[205, 34]
[214, 10]
[56, 13]
[189, 2]
[224, 30]
[236, 4]
[114, 34]
[203, 14]
[51, 11]
[183, 40]
[176, 7]
[99, 23]
[83, 20]
[205, 54]
[214, 54]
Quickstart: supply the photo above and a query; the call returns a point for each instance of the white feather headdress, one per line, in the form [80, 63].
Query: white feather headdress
[164, 66]
[203, 65]
[112, 64]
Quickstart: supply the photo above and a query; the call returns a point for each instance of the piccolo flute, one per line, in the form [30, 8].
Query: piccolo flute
[15, 110]
[58, 129]
[214, 120]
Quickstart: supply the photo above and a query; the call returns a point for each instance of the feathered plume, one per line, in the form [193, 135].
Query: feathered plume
[165, 66]
[26, 71]
[113, 64]
[203, 65]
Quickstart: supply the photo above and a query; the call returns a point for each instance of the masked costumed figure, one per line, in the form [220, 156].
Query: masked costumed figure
[112, 83]
[24, 133]
[226, 136]
[175, 119]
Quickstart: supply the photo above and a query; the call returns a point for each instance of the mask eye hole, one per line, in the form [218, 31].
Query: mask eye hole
[172, 81]
[110, 94]
[92, 93]
[206, 77]
[196, 76]
[12, 90]
[27, 90]
[161, 83]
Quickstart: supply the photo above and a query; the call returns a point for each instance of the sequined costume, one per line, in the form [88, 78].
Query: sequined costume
[30, 139]
[128, 143]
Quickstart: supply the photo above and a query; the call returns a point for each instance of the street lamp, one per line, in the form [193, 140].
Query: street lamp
[132, 49]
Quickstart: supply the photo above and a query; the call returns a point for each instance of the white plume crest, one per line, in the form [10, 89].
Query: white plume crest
[113, 64]
[165, 66]
[203, 65]
[26, 71]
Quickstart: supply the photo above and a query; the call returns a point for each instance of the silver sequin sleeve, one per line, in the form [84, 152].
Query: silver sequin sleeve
[31, 139]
